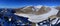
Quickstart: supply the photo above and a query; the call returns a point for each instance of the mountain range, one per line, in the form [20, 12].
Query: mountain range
[33, 10]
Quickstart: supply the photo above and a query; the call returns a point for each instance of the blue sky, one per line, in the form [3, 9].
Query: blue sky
[21, 3]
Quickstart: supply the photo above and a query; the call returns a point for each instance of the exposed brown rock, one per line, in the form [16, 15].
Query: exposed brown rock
[28, 10]
[33, 24]
[52, 17]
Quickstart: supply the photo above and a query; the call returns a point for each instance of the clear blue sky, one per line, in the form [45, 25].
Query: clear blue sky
[21, 3]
